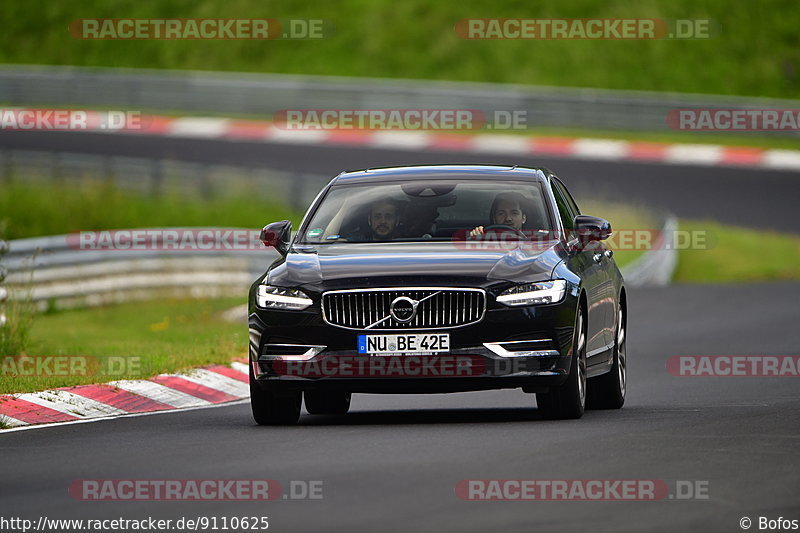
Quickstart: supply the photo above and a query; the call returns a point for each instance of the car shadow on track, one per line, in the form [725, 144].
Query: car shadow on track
[424, 416]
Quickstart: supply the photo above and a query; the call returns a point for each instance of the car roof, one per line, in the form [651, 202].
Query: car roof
[432, 172]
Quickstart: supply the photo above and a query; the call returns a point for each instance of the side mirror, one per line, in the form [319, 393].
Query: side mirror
[589, 228]
[276, 235]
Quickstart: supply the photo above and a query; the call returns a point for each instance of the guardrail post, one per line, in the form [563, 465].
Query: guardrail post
[56, 169]
[156, 176]
[108, 168]
[296, 186]
[5, 165]
[206, 188]
[3, 290]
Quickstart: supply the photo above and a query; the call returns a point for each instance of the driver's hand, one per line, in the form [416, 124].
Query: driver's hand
[476, 232]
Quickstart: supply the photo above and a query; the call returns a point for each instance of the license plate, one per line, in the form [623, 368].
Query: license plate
[412, 343]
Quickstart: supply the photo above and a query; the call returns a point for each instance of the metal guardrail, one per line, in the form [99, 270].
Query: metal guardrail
[264, 94]
[51, 273]
[3, 290]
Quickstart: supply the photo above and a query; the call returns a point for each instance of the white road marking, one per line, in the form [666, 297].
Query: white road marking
[600, 149]
[696, 154]
[781, 159]
[159, 393]
[10, 421]
[503, 144]
[198, 127]
[240, 367]
[216, 381]
[71, 404]
[401, 140]
[127, 415]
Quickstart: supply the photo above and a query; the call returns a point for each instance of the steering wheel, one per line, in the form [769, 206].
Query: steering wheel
[504, 227]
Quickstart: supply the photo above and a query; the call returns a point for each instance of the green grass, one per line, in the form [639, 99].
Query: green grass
[147, 338]
[755, 49]
[15, 334]
[31, 210]
[738, 255]
[18, 312]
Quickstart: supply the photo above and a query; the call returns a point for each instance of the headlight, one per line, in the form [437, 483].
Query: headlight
[546, 292]
[281, 298]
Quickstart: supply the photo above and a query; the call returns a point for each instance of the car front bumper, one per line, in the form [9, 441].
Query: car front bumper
[528, 347]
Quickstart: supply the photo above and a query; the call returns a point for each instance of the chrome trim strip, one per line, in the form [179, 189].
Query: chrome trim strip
[497, 349]
[378, 289]
[313, 349]
[524, 342]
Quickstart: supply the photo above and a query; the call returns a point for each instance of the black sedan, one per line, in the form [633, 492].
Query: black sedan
[442, 278]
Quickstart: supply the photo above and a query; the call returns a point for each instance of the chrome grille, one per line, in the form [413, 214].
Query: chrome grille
[438, 308]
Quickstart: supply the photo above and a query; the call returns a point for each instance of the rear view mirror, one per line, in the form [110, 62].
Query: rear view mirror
[276, 235]
[589, 228]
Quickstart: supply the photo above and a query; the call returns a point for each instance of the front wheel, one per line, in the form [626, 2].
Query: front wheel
[608, 391]
[569, 400]
[270, 409]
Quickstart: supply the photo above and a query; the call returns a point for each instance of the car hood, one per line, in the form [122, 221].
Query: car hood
[315, 264]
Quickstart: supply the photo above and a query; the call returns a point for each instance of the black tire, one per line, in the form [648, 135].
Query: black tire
[270, 409]
[327, 403]
[569, 400]
[608, 391]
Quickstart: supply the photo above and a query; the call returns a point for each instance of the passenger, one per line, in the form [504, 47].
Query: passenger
[383, 219]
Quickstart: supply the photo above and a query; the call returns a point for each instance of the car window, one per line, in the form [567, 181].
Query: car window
[568, 197]
[565, 210]
[415, 210]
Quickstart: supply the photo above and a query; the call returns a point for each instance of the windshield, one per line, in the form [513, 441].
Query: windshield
[424, 211]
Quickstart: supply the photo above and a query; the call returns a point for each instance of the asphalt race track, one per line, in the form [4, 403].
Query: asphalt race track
[747, 197]
[392, 464]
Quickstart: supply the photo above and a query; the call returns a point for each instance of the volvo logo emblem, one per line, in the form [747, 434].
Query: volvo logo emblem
[403, 309]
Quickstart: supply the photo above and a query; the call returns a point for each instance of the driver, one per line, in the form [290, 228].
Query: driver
[506, 210]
